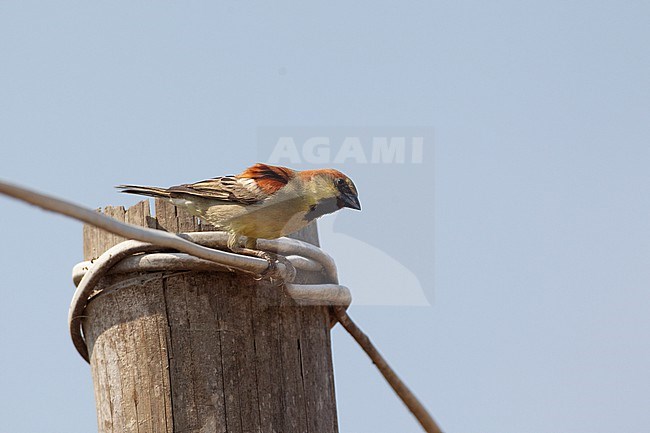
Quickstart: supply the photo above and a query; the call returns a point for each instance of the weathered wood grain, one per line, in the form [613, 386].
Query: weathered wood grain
[205, 351]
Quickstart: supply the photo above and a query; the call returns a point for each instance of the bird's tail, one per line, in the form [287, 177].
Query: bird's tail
[150, 191]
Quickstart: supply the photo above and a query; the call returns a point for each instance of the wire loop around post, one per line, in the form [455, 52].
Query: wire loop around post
[127, 257]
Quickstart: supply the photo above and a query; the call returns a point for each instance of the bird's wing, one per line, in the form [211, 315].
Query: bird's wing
[254, 184]
[225, 188]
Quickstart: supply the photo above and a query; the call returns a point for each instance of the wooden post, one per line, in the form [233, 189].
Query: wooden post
[205, 351]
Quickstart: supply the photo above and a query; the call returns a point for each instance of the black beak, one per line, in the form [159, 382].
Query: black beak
[349, 200]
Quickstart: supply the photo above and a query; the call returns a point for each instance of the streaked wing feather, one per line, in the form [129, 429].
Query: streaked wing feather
[226, 188]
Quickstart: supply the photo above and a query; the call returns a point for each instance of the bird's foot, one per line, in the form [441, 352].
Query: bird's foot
[272, 272]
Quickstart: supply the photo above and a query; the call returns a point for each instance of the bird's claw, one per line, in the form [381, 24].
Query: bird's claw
[272, 272]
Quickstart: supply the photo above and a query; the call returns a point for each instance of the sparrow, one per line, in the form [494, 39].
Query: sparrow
[263, 201]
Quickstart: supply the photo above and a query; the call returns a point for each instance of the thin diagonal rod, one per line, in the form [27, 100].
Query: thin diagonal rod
[400, 388]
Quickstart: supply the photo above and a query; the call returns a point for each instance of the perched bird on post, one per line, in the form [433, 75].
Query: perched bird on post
[264, 201]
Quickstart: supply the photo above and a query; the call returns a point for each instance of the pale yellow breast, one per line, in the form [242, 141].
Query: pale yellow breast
[270, 221]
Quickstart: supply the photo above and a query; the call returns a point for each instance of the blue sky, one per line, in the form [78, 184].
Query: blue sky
[525, 226]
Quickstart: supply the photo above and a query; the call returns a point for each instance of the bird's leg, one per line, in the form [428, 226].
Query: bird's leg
[250, 249]
[251, 243]
[234, 241]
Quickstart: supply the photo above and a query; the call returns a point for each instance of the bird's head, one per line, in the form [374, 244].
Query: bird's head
[332, 186]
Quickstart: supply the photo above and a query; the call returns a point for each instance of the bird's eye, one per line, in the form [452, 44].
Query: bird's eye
[340, 181]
